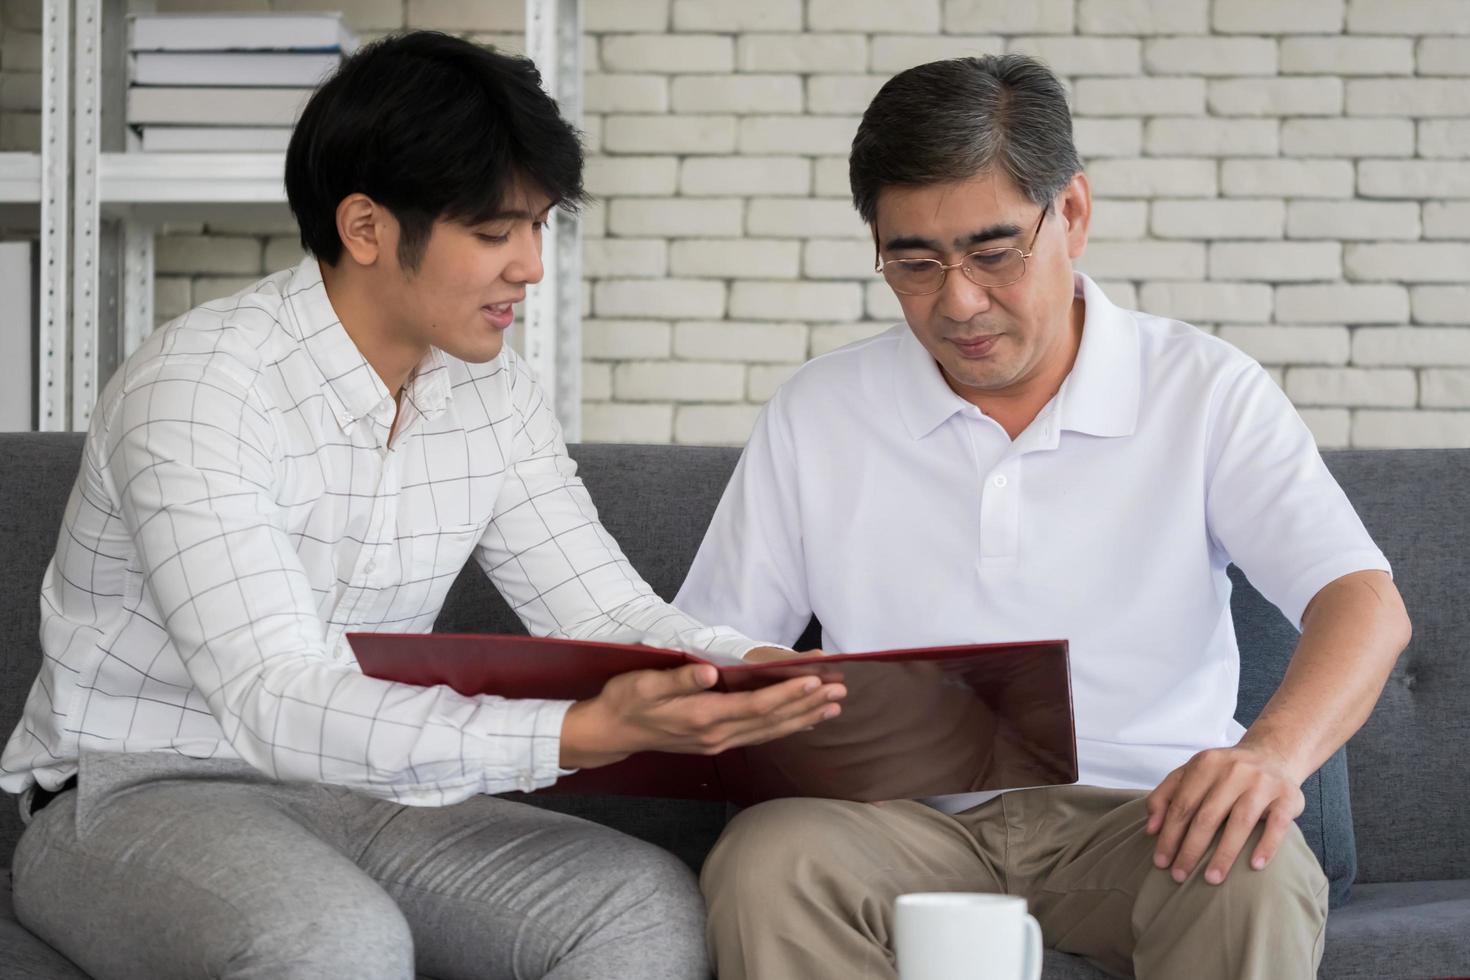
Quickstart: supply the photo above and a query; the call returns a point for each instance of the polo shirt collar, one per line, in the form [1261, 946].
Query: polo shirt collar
[352, 388]
[1099, 397]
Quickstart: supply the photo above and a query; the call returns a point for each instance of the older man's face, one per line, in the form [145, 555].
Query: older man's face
[990, 341]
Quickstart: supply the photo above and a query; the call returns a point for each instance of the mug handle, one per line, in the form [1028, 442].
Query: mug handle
[1033, 949]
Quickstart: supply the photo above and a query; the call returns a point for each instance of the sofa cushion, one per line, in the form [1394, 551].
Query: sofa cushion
[24, 956]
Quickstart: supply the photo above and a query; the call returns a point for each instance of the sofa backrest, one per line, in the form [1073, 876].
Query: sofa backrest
[1408, 768]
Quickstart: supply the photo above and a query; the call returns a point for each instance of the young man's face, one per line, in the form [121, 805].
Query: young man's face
[989, 340]
[461, 298]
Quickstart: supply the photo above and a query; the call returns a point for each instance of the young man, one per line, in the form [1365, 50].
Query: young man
[318, 454]
[1025, 460]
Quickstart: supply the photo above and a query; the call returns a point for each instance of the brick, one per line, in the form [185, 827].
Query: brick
[1304, 96]
[1331, 427]
[827, 337]
[762, 380]
[1413, 178]
[1444, 388]
[1213, 218]
[1444, 138]
[21, 51]
[1419, 17]
[1279, 345]
[728, 340]
[626, 93]
[1274, 17]
[593, 219]
[459, 16]
[687, 217]
[622, 340]
[1208, 302]
[1286, 178]
[1143, 16]
[894, 53]
[1444, 56]
[1212, 137]
[1144, 260]
[596, 382]
[801, 52]
[632, 176]
[1123, 294]
[745, 176]
[714, 425]
[617, 422]
[614, 16]
[591, 133]
[659, 299]
[1376, 388]
[1411, 346]
[1346, 56]
[669, 134]
[837, 258]
[678, 381]
[625, 258]
[1118, 220]
[195, 254]
[20, 92]
[1210, 56]
[841, 94]
[785, 301]
[361, 16]
[1342, 303]
[1441, 304]
[1411, 430]
[912, 16]
[742, 258]
[1177, 96]
[1276, 261]
[283, 252]
[830, 178]
[1408, 262]
[1099, 138]
[880, 303]
[1155, 177]
[1347, 137]
[737, 93]
[1084, 55]
[20, 131]
[1447, 219]
[798, 217]
[669, 52]
[1352, 220]
[747, 15]
[210, 288]
[1391, 96]
[1005, 17]
[808, 135]
[172, 297]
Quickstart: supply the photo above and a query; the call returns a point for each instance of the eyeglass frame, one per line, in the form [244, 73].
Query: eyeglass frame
[882, 263]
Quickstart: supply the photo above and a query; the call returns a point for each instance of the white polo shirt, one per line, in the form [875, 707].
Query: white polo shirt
[874, 496]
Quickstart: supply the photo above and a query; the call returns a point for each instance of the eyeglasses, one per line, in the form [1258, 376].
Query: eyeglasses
[988, 267]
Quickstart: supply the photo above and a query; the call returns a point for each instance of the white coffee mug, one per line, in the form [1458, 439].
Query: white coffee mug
[965, 936]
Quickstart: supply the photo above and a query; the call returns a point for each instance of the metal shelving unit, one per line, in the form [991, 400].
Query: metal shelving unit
[119, 197]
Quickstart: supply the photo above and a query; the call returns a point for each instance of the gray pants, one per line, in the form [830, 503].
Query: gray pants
[158, 867]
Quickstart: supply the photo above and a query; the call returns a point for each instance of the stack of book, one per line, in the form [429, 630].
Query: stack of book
[227, 82]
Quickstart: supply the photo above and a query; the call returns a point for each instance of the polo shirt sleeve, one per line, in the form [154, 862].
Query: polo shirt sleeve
[1272, 507]
[750, 570]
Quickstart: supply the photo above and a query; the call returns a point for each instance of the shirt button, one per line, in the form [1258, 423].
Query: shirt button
[370, 567]
[525, 782]
[1000, 480]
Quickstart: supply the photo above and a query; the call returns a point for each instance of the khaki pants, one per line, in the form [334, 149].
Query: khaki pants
[803, 889]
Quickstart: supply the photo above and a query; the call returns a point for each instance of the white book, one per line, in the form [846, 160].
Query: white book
[242, 68]
[239, 32]
[17, 333]
[215, 139]
[216, 106]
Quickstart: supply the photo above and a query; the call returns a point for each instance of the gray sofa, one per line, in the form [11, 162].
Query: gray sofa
[1408, 833]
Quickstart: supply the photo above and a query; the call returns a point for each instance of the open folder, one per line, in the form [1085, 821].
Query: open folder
[915, 723]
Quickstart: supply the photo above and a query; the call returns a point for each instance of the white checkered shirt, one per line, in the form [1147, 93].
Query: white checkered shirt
[240, 508]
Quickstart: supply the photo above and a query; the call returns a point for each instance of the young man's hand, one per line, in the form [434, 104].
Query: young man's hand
[674, 711]
[1227, 791]
[766, 655]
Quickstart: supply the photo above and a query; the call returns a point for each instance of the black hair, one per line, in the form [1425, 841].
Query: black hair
[952, 120]
[431, 127]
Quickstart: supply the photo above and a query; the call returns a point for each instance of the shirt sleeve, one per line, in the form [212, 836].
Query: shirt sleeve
[1272, 506]
[190, 455]
[557, 566]
[750, 568]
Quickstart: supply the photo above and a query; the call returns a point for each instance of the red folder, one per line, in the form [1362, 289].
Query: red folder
[915, 723]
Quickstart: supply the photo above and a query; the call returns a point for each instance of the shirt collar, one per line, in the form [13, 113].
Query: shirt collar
[1099, 397]
[352, 388]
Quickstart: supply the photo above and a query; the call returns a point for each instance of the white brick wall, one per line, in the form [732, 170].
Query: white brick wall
[1292, 175]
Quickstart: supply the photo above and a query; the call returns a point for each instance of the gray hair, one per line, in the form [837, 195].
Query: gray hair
[952, 120]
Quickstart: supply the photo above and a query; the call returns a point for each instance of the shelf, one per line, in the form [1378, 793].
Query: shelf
[20, 178]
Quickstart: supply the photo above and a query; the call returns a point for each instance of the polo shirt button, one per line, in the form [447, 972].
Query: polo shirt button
[1000, 480]
[370, 567]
